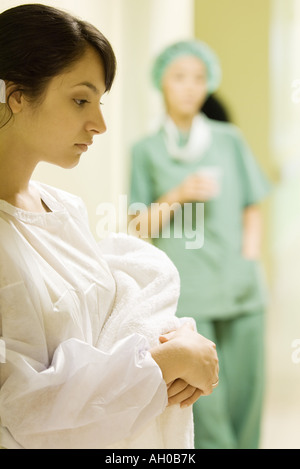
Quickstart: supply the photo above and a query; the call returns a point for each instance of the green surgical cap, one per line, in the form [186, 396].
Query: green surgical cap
[195, 48]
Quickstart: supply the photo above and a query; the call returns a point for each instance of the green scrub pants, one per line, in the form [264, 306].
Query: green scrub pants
[230, 417]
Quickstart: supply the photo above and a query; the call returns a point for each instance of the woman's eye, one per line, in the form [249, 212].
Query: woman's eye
[81, 102]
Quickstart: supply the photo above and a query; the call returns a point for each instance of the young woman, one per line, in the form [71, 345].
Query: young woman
[190, 161]
[58, 388]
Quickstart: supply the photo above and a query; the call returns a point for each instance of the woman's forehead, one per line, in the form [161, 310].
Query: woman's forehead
[87, 71]
[187, 62]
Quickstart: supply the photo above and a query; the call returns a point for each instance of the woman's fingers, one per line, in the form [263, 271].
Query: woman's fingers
[177, 387]
[187, 325]
[192, 399]
[180, 392]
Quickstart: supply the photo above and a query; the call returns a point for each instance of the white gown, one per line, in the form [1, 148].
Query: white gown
[58, 389]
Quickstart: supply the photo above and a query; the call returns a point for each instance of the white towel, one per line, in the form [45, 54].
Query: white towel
[147, 293]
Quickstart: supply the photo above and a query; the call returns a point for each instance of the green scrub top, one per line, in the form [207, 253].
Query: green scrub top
[216, 281]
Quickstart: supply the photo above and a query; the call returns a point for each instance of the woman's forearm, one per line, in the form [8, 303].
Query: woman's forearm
[252, 234]
[149, 223]
[193, 188]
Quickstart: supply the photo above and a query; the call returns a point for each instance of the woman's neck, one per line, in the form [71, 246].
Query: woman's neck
[183, 122]
[15, 174]
[23, 196]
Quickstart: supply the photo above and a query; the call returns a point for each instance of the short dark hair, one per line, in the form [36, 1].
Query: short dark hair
[38, 42]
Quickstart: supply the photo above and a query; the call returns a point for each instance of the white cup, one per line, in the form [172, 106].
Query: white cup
[215, 174]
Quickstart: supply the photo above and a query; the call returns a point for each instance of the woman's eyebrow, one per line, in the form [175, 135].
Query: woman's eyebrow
[89, 85]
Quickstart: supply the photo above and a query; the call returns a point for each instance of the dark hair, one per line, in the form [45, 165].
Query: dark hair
[38, 42]
[215, 109]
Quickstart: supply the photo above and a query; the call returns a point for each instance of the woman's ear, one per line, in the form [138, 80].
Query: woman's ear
[15, 98]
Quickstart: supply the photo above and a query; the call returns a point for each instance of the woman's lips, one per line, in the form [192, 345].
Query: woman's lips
[82, 146]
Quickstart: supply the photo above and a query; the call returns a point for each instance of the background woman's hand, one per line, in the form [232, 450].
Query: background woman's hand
[197, 187]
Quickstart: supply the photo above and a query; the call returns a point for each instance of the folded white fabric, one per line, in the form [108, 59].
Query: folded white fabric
[147, 292]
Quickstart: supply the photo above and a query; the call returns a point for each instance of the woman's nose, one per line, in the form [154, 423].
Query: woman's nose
[97, 123]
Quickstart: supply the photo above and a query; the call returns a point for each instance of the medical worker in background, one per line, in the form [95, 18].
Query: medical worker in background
[190, 161]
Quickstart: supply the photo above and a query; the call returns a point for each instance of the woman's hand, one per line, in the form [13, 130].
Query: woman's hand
[186, 355]
[197, 187]
[180, 392]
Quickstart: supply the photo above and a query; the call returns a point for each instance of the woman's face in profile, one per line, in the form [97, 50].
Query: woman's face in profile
[185, 86]
[60, 128]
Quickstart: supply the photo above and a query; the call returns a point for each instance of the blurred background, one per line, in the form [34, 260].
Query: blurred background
[258, 45]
